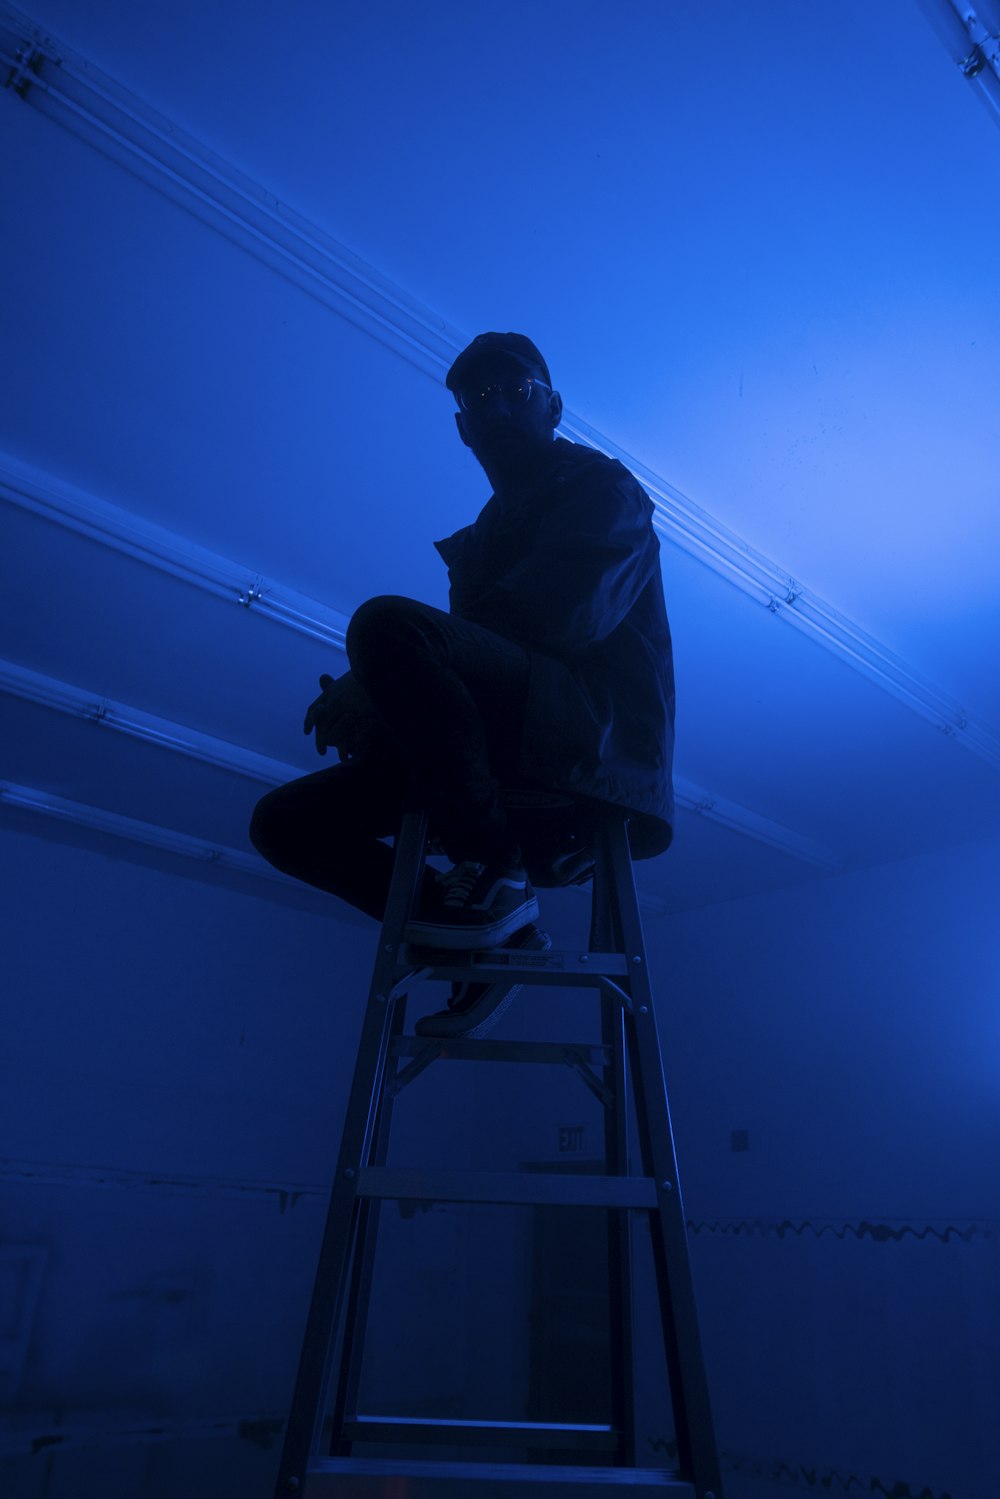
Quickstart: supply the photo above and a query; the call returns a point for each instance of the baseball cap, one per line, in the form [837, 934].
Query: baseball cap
[514, 345]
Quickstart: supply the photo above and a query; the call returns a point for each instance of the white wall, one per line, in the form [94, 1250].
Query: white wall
[158, 1028]
[177, 1055]
[848, 1261]
[176, 1060]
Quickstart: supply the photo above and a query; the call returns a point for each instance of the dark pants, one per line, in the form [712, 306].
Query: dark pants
[451, 698]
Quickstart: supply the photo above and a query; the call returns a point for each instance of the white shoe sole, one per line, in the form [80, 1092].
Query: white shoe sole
[493, 1004]
[466, 938]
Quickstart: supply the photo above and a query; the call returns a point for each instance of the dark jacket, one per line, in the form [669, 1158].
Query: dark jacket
[570, 569]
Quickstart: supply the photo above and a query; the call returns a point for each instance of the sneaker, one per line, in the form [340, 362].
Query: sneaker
[474, 1009]
[478, 905]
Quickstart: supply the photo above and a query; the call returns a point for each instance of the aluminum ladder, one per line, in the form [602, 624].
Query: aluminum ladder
[324, 1411]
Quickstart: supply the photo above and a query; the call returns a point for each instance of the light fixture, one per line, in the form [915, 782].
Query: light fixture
[132, 536]
[741, 819]
[971, 35]
[49, 692]
[100, 820]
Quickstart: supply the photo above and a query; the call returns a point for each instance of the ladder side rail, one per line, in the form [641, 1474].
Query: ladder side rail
[345, 1408]
[309, 1400]
[694, 1427]
[603, 937]
[620, 1273]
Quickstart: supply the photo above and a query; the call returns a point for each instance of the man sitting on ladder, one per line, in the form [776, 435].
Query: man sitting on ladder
[554, 666]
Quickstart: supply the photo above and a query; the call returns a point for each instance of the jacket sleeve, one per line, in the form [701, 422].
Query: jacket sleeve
[461, 590]
[591, 558]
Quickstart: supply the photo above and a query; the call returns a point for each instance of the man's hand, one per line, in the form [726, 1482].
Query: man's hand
[342, 716]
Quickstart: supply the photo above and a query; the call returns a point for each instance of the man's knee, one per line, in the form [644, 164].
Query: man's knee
[383, 620]
[266, 824]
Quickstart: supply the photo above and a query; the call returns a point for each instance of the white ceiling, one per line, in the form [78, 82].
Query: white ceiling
[757, 247]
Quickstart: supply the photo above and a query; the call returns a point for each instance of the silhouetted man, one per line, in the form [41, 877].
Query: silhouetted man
[553, 668]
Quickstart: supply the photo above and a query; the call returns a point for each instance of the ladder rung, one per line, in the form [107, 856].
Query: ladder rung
[505, 1051]
[417, 1185]
[373, 1478]
[572, 969]
[451, 1433]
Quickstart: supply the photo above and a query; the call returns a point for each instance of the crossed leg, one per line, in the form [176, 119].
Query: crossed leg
[451, 697]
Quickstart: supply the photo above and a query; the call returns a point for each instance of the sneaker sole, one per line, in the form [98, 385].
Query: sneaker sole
[485, 1013]
[467, 938]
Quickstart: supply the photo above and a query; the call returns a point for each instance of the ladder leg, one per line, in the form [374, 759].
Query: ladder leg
[603, 938]
[309, 1400]
[688, 1381]
[356, 1314]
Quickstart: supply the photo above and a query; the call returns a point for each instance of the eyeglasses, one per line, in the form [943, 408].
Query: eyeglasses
[513, 392]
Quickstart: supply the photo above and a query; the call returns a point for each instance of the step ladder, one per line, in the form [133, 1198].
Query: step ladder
[324, 1412]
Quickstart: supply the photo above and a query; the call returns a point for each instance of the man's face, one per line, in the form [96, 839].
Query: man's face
[507, 415]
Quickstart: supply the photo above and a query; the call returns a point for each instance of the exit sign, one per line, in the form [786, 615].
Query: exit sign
[572, 1139]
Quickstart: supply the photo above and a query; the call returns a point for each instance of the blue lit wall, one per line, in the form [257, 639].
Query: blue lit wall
[760, 251]
[178, 1067]
[848, 1031]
